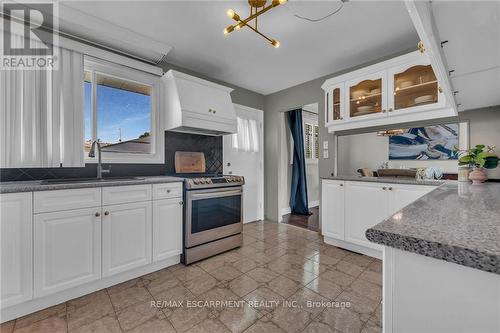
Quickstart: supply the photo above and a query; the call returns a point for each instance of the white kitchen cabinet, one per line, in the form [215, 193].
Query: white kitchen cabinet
[114, 195]
[167, 228]
[366, 205]
[402, 195]
[67, 249]
[126, 236]
[332, 208]
[398, 90]
[349, 208]
[16, 246]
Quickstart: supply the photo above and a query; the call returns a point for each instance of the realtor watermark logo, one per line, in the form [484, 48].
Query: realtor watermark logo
[28, 35]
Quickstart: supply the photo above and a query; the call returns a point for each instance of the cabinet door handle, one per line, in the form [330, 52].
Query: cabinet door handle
[210, 110]
[341, 185]
[383, 111]
[341, 118]
[181, 203]
[168, 191]
[390, 188]
[390, 110]
[97, 214]
[214, 111]
[106, 213]
[384, 188]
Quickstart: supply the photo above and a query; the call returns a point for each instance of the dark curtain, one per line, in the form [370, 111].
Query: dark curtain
[298, 191]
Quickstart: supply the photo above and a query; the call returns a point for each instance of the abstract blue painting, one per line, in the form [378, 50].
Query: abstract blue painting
[425, 143]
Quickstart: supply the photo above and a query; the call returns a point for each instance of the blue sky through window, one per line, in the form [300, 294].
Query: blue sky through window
[117, 109]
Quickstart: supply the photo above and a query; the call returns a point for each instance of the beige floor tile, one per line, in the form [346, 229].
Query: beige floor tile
[325, 259]
[368, 289]
[243, 285]
[349, 268]
[343, 320]
[56, 310]
[225, 273]
[7, 327]
[333, 251]
[372, 276]
[291, 320]
[279, 266]
[165, 273]
[138, 314]
[317, 327]
[185, 318]
[376, 266]
[108, 324]
[187, 273]
[52, 324]
[377, 315]
[314, 267]
[209, 326]
[212, 263]
[177, 294]
[261, 274]
[338, 277]
[130, 296]
[218, 294]
[305, 296]
[154, 326]
[283, 286]
[360, 304]
[161, 283]
[127, 284]
[325, 288]
[89, 308]
[358, 259]
[238, 319]
[262, 297]
[300, 275]
[201, 284]
[264, 327]
[244, 264]
[371, 327]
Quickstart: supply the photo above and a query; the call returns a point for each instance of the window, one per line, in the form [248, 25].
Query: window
[247, 138]
[311, 141]
[120, 112]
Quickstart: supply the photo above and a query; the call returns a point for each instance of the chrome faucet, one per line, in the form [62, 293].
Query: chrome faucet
[100, 171]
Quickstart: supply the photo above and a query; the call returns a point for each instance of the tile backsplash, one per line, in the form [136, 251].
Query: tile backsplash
[211, 146]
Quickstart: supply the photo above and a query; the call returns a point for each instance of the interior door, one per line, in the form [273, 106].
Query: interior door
[248, 164]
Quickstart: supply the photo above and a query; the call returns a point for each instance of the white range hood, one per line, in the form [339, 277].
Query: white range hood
[194, 105]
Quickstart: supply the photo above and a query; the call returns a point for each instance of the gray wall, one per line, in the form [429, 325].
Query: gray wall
[369, 150]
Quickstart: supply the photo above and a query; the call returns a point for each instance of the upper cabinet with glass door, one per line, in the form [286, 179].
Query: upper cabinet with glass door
[414, 87]
[366, 97]
[334, 102]
[399, 90]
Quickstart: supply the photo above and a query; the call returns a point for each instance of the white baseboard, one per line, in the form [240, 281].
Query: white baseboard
[353, 247]
[44, 302]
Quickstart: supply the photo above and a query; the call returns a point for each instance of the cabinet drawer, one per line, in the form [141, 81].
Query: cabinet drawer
[167, 191]
[53, 201]
[123, 194]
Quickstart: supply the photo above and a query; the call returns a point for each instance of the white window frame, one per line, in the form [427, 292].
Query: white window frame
[157, 154]
[313, 121]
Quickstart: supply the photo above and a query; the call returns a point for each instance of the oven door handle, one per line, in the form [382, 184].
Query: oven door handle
[218, 194]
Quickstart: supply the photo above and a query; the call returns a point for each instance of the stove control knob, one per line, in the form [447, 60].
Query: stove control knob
[208, 181]
[196, 181]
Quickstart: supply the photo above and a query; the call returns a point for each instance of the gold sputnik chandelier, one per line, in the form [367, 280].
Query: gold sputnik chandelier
[257, 8]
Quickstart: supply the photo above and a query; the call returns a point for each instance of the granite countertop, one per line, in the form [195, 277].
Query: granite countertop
[456, 222]
[393, 180]
[35, 185]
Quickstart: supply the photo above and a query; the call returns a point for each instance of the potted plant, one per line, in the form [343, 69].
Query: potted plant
[478, 158]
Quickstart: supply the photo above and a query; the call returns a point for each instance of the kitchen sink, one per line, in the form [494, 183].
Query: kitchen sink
[87, 180]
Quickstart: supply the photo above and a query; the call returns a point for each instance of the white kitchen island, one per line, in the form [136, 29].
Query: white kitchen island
[441, 261]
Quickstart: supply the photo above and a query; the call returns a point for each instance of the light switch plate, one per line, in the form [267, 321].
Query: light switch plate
[325, 145]
[325, 153]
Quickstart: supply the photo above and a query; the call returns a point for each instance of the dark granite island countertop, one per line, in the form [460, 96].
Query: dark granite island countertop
[456, 222]
[36, 185]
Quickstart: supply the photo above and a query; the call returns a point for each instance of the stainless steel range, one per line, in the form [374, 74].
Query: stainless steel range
[212, 216]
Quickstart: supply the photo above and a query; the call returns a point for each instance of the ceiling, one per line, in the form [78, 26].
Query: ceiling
[360, 32]
[472, 29]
